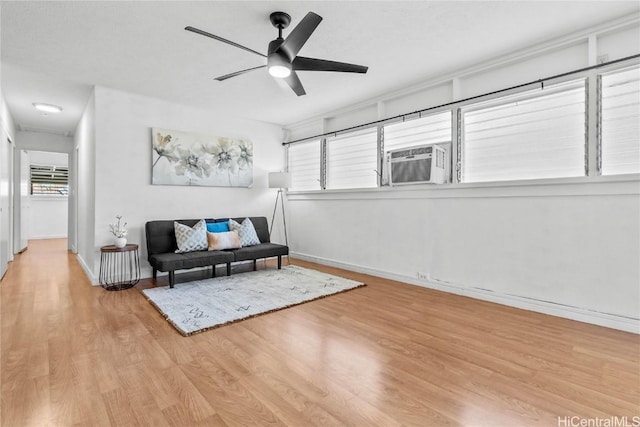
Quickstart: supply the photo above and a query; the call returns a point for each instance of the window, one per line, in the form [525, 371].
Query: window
[531, 135]
[435, 128]
[304, 165]
[352, 160]
[542, 133]
[620, 121]
[49, 180]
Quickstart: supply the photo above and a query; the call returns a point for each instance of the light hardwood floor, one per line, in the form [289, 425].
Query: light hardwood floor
[388, 354]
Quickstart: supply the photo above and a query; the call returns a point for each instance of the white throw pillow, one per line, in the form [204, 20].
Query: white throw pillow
[223, 240]
[191, 239]
[246, 231]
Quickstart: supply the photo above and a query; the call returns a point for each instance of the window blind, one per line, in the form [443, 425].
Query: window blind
[49, 180]
[435, 128]
[532, 135]
[352, 160]
[304, 165]
[620, 121]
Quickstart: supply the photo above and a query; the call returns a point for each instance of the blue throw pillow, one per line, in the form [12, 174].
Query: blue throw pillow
[217, 227]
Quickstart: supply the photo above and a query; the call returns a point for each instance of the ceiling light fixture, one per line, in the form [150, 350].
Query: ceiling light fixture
[47, 108]
[279, 71]
[278, 63]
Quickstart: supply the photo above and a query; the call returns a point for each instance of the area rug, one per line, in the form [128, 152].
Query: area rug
[204, 304]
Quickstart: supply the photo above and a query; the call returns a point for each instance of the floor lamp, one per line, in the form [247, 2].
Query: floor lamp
[279, 180]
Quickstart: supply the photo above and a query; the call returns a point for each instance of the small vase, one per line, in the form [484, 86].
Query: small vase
[120, 242]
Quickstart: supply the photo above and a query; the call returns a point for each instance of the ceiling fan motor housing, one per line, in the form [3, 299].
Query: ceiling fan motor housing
[277, 57]
[280, 20]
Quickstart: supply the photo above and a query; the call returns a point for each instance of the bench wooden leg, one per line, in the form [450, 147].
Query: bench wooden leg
[172, 279]
[279, 262]
[155, 274]
[228, 269]
[255, 267]
[213, 271]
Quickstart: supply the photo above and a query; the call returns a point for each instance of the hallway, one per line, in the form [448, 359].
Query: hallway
[58, 346]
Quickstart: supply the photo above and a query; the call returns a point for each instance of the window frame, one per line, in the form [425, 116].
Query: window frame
[447, 144]
[62, 185]
[339, 138]
[527, 94]
[320, 143]
[598, 110]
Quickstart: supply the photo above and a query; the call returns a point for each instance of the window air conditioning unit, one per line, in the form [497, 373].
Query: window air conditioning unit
[416, 165]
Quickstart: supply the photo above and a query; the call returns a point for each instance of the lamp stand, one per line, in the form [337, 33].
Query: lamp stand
[284, 218]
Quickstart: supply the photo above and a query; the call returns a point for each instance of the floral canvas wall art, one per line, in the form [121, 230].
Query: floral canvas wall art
[183, 158]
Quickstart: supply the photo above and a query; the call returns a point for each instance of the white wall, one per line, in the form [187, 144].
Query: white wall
[48, 159]
[42, 141]
[47, 217]
[569, 248]
[7, 131]
[122, 171]
[21, 199]
[84, 188]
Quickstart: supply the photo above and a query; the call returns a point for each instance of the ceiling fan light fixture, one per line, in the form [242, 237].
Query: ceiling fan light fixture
[278, 63]
[282, 57]
[47, 108]
[280, 71]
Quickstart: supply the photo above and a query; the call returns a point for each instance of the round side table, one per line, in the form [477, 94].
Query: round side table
[119, 267]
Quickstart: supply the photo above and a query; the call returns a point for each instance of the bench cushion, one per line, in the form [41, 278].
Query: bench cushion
[263, 250]
[173, 261]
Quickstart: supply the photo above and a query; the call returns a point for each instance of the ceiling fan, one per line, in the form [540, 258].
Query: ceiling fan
[282, 59]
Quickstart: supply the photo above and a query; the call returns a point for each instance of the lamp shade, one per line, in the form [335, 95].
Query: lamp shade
[278, 180]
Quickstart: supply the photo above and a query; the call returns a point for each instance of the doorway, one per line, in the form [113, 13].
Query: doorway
[44, 197]
[6, 202]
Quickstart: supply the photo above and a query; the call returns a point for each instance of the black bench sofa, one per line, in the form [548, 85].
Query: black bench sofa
[161, 247]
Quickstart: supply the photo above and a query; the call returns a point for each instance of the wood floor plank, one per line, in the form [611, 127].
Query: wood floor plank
[303, 385]
[119, 408]
[226, 395]
[388, 354]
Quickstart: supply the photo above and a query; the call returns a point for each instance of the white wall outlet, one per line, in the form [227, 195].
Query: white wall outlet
[423, 276]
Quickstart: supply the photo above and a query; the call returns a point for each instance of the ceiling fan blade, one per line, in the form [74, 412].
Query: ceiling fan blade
[294, 83]
[300, 63]
[237, 73]
[204, 33]
[300, 34]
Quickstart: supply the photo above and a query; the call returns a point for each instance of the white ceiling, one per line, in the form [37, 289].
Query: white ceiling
[54, 52]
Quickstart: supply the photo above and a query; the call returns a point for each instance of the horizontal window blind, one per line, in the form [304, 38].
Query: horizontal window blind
[352, 160]
[435, 128]
[620, 121]
[432, 129]
[304, 165]
[532, 135]
[49, 180]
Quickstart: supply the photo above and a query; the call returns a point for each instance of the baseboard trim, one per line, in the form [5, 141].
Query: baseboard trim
[87, 271]
[545, 307]
[48, 236]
